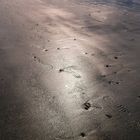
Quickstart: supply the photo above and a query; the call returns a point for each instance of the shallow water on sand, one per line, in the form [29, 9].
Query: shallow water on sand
[133, 4]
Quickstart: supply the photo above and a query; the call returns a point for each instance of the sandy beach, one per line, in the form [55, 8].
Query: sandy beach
[69, 69]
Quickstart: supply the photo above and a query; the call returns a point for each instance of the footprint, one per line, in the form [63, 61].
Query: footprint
[93, 104]
[87, 106]
[76, 75]
[82, 134]
[110, 101]
[115, 57]
[129, 70]
[103, 76]
[114, 106]
[110, 82]
[46, 50]
[134, 124]
[107, 66]
[107, 99]
[92, 54]
[106, 137]
[72, 70]
[61, 70]
[37, 59]
[96, 106]
[117, 83]
[108, 116]
[122, 108]
[113, 83]
[83, 93]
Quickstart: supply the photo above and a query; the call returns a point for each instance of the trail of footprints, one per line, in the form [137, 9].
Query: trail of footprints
[109, 102]
[106, 99]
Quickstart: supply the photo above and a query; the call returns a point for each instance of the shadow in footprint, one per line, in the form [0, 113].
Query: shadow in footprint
[82, 134]
[107, 66]
[115, 57]
[108, 116]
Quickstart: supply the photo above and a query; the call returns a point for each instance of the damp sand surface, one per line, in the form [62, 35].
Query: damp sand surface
[69, 69]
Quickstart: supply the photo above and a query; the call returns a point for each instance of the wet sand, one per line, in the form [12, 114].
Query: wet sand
[69, 70]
